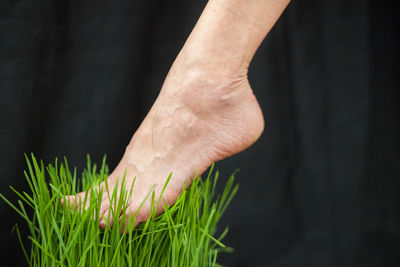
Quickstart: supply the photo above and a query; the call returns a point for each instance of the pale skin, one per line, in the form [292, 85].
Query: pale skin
[206, 110]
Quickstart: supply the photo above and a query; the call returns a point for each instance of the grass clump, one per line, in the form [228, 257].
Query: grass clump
[60, 236]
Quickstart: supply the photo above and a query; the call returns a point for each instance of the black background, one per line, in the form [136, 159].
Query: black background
[320, 188]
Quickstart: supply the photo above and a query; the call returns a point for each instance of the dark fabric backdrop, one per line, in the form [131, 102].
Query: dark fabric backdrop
[320, 188]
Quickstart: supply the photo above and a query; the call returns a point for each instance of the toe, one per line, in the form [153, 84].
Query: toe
[82, 200]
[67, 201]
[128, 221]
[76, 201]
[106, 219]
[105, 205]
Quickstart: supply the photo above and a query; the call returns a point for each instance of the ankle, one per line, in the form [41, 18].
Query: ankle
[202, 90]
[199, 65]
[194, 79]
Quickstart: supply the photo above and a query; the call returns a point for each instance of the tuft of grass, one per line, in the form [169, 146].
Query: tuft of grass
[184, 235]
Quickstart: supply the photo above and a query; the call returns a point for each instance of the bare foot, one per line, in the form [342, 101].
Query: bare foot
[206, 110]
[198, 118]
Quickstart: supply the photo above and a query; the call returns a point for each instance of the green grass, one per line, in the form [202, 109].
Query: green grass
[60, 236]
